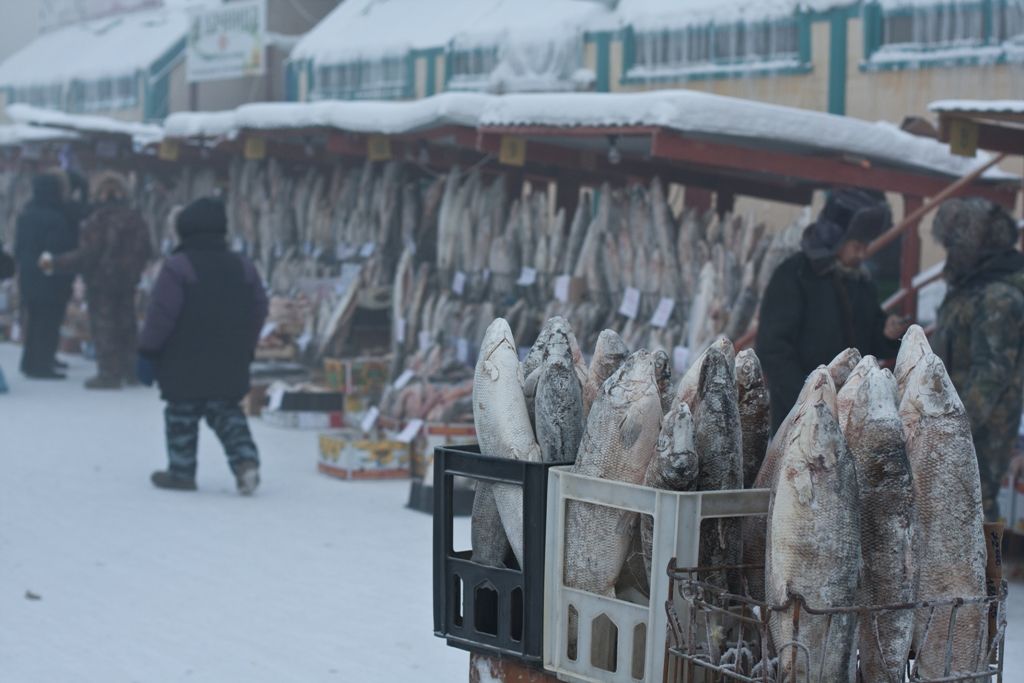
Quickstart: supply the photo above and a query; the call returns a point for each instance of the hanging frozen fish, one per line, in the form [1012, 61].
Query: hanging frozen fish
[847, 396]
[688, 385]
[609, 354]
[755, 418]
[888, 523]
[951, 554]
[502, 423]
[619, 441]
[559, 404]
[842, 365]
[913, 349]
[663, 373]
[813, 549]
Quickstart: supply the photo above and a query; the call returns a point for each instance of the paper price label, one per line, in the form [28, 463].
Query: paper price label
[462, 350]
[663, 312]
[630, 303]
[275, 398]
[237, 245]
[680, 359]
[370, 419]
[278, 250]
[367, 249]
[527, 276]
[304, 340]
[425, 340]
[411, 431]
[268, 329]
[459, 283]
[562, 283]
[400, 330]
[404, 379]
[487, 275]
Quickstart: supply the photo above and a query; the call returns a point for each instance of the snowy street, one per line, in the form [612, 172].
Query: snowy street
[313, 579]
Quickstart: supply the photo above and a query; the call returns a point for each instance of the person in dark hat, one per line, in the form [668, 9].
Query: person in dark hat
[821, 300]
[207, 308]
[43, 228]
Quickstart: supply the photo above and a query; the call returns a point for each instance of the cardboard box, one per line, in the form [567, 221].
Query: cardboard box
[350, 454]
[362, 377]
[436, 434]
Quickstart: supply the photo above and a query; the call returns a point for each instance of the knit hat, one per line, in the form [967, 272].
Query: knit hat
[862, 214]
[972, 230]
[205, 216]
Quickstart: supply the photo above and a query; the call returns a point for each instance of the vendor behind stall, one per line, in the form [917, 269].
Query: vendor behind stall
[821, 300]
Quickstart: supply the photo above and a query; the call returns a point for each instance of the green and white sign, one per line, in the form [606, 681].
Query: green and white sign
[227, 42]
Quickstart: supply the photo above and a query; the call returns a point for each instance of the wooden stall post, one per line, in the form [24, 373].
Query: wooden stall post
[910, 254]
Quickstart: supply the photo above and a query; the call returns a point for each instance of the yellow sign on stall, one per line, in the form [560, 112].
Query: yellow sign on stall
[169, 150]
[255, 148]
[963, 137]
[378, 148]
[513, 151]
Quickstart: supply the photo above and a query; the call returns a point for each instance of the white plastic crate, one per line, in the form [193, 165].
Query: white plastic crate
[677, 518]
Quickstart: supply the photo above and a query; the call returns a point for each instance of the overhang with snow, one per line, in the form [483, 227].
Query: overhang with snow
[996, 125]
[115, 63]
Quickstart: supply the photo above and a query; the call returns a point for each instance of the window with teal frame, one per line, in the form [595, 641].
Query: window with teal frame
[470, 68]
[717, 50]
[943, 33]
[104, 94]
[45, 96]
[382, 79]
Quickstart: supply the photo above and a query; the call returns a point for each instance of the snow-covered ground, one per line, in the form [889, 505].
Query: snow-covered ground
[313, 579]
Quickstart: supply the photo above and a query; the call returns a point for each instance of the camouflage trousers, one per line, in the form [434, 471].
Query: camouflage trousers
[114, 332]
[227, 421]
[994, 455]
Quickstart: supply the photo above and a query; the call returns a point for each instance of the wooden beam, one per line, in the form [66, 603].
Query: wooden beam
[910, 253]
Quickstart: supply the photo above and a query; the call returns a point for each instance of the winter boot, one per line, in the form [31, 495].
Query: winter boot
[162, 479]
[247, 478]
[101, 382]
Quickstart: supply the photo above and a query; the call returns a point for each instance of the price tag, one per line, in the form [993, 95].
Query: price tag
[370, 419]
[268, 329]
[562, 283]
[630, 303]
[459, 283]
[425, 340]
[663, 312]
[275, 397]
[237, 245]
[167, 246]
[367, 249]
[304, 340]
[403, 379]
[527, 276]
[462, 350]
[680, 359]
[487, 275]
[278, 250]
[411, 431]
[400, 330]
[318, 252]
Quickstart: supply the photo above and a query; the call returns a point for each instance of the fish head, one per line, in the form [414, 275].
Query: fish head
[717, 378]
[876, 398]
[815, 445]
[609, 353]
[749, 375]
[634, 380]
[818, 387]
[929, 390]
[662, 369]
[498, 353]
[843, 365]
[913, 348]
[724, 346]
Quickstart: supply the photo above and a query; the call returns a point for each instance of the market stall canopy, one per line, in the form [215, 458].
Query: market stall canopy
[139, 133]
[17, 134]
[996, 125]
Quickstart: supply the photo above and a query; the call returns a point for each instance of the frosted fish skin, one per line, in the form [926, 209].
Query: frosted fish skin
[813, 547]
[559, 406]
[618, 444]
[609, 354]
[502, 423]
[755, 413]
[842, 366]
[687, 389]
[818, 387]
[674, 467]
[663, 373]
[914, 347]
[951, 554]
[718, 437]
[847, 396]
[874, 433]
[555, 329]
[487, 534]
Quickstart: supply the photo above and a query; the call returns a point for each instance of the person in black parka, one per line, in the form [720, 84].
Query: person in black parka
[207, 308]
[43, 227]
[821, 300]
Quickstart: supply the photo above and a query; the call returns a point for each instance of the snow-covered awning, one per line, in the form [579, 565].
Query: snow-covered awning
[17, 134]
[47, 119]
[650, 15]
[978, 106]
[113, 47]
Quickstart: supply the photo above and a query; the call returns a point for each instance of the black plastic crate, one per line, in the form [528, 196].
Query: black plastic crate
[492, 610]
[421, 499]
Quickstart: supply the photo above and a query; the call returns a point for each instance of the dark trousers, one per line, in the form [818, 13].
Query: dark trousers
[114, 332]
[225, 418]
[42, 337]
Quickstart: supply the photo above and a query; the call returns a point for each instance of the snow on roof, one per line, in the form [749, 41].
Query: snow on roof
[111, 47]
[391, 118]
[658, 14]
[29, 115]
[370, 29]
[690, 111]
[19, 133]
[979, 106]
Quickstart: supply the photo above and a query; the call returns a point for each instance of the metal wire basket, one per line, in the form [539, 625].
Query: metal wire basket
[722, 636]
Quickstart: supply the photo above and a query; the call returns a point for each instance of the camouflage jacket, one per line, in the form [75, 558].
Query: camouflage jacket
[980, 337]
[113, 248]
